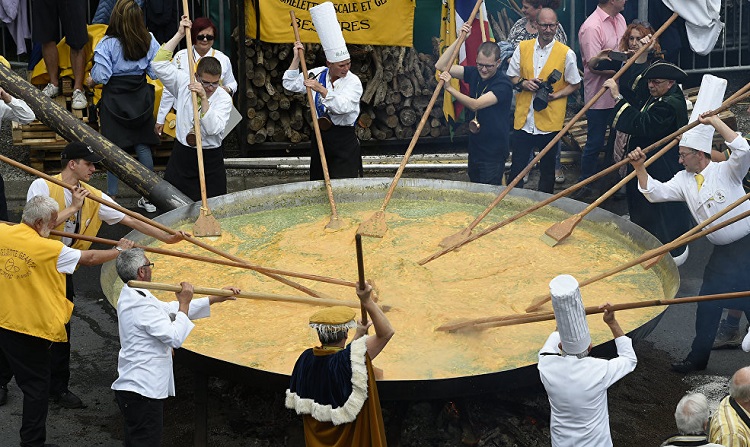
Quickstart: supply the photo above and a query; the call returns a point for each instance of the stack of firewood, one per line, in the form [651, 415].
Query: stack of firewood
[398, 83]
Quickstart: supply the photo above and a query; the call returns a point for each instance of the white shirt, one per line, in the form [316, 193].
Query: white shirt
[148, 333]
[180, 60]
[722, 186]
[577, 391]
[342, 99]
[111, 216]
[16, 110]
[541, 54]
[213, 122]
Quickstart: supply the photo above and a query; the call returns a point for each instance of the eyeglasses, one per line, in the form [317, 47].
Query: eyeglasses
[546, 25]
[207, 37]
[657, 81]
[485, 66]
[206, 84]
[150, 264]
[683, 155]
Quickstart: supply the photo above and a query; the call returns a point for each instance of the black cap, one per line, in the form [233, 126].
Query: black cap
[76, 150]
[664, 70]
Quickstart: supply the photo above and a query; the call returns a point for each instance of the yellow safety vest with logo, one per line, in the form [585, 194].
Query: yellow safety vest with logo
[553, 116]
[89, 215]
[33, 300]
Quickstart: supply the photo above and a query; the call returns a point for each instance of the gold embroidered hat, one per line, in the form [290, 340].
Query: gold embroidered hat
[333, 319]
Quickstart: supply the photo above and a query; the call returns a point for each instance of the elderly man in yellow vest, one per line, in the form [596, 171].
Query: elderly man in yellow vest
[33, 307]
[544, 72]
[81, 216]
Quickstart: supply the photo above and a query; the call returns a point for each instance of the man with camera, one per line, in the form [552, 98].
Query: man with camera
[544, 72]
[490, 95]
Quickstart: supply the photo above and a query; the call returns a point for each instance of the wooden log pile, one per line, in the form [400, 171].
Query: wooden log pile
[397, 81]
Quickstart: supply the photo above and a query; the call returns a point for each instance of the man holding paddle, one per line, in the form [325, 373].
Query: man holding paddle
[707, 188]
[149, 329]
[81, 216]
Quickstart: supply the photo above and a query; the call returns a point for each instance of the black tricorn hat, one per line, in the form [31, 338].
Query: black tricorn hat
[664, 70]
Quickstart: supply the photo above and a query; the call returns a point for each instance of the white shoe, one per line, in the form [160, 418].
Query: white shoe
[79, 101]
[50, 91]
[146, 205]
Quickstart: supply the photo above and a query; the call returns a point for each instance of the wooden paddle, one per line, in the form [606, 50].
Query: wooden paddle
[248, 295]
[560, 231]
[361, 272]
[155, 224]
[178, 254]
[647, 264]
[206, 225]
[742, 93]
[540, 300]
[334, 223]
[375, 226]
[464, 234]
[510, 320]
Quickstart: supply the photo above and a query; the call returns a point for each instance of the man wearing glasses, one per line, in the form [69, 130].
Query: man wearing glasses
[488, 103]
[601, 31]
[663, 113]
[149, 329]
[531, 68]
[214, 105]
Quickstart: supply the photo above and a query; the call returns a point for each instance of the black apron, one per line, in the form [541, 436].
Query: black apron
[343, 154]
[126, 111]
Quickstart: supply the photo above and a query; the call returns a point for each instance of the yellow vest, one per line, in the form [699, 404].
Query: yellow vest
[33, 298]
[551, 118]
[90, 221]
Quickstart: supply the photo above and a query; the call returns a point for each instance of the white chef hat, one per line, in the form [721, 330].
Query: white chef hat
[570, 314]
[329, 31]
[710, 96]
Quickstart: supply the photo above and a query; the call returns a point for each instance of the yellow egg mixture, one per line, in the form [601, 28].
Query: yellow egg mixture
[498, 274]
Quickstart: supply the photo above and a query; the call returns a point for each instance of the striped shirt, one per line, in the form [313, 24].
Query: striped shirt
[727, 428]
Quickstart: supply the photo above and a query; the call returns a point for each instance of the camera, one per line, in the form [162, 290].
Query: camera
[542, 95]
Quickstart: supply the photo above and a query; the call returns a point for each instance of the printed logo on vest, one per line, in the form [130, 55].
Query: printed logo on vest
[15, 264]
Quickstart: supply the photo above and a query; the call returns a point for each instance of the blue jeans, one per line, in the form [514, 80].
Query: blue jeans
[598, 120]
[143, 152]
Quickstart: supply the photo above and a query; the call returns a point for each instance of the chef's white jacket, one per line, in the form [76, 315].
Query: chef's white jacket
[149, 330]
[577, 391]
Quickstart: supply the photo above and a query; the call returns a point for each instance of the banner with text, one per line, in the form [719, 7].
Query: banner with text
[363, 22]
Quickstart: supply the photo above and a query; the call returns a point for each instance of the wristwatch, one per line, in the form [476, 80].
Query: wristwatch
[118, 248]
[618, 98]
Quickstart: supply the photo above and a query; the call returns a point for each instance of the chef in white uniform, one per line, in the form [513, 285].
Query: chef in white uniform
[577, 384]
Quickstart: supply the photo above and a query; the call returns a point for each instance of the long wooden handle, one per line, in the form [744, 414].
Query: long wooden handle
[426, 114]
[361, 273]
[196, 112]
[177, 254]
[565, 129]
[316, 127]
[510, 320]
[154, 224]
[738, 96]
[539, 301]
[248, 295]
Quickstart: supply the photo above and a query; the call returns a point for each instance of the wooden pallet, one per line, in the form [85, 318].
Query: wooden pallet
[575, 138]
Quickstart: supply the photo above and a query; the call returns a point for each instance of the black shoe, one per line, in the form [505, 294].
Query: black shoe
[51, 445]
[67, 399]
[687, 366]
[585, 194]
[3, 394]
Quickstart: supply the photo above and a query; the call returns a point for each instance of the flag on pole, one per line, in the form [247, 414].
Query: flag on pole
[455, 14]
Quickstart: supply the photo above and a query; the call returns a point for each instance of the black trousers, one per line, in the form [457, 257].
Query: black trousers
[522, 144]
[28, 359]
[3, 202]
[143, 419]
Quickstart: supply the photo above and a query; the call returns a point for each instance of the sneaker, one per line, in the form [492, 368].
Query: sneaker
[560, 178]
[79, 101]
[728, 337]
[50, 91]
[67, 399]
[146, 205]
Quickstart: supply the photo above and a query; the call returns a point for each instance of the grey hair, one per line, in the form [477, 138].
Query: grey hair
[692, 414]
[128, 263]
[739, 386]
[329, 338]
[39, 208]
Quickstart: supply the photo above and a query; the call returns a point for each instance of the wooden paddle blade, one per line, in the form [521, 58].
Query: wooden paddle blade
[538, 302]
[206, 225]
[560, 231]
[334, 224]
[454, 325]
[455, 239]
[375, 226]
[648, 263]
